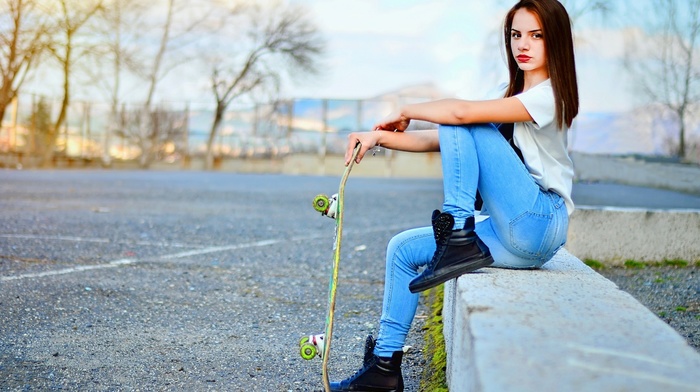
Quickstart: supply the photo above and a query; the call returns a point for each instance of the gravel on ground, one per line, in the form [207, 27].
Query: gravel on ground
[672, 293]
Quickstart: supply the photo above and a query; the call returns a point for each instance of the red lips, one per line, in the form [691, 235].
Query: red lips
[523, 58]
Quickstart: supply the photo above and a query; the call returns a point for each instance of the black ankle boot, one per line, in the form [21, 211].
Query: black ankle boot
[377, 374]
[458, 252]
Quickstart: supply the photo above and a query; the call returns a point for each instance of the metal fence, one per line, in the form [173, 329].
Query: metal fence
[94, 131]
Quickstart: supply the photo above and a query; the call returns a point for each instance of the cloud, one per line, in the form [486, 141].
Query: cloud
[379, 46]
[397, 18]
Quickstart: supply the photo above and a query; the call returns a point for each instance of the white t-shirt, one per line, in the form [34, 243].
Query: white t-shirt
[543, 145]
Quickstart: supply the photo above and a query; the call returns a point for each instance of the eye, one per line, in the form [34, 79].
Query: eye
[537, 35]
[515, 34]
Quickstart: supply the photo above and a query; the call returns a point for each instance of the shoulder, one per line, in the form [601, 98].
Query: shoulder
[543, 89]
[539, 102]
[539, 94]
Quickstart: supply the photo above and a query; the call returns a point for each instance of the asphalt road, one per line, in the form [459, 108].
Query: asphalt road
[625, 196]
[189, 281]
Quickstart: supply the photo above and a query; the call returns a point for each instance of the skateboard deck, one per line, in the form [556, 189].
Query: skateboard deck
[333, 207]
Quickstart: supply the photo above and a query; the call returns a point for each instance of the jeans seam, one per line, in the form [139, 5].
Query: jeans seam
[562, 224]
[457, 150]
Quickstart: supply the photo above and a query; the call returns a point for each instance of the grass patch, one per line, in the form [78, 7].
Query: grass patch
[681, 309]
[634, 264]
[595, 264]
[434, 378]
[676, 263]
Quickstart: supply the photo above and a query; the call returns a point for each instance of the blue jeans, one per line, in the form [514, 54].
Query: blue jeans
[525, 228]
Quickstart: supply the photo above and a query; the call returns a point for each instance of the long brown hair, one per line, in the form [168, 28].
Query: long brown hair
[559, 49]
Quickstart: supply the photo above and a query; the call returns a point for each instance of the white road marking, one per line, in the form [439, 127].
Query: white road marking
[55, 237]
[120, 262]
[128, 261]
[97, 240]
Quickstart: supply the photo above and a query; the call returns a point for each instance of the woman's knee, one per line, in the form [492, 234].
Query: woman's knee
[451, 127]
[409, 248]
[467, 127]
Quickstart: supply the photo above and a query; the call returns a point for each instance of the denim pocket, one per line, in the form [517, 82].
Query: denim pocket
[529, 234]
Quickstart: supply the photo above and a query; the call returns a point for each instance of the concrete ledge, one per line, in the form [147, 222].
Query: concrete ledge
[614, 235]
[561, 328]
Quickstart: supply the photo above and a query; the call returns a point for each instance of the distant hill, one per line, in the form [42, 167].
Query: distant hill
[644, 130]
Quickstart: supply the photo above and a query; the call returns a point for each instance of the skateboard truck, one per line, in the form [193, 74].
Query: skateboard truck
[327, 206]
[311, 345]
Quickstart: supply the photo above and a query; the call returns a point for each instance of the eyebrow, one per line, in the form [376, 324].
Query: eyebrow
[531, 31]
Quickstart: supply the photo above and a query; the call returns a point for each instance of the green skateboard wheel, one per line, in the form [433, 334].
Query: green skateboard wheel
[308, 351]
[303, 340]
[321, 203]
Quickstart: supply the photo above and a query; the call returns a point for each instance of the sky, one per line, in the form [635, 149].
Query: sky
[377, 46]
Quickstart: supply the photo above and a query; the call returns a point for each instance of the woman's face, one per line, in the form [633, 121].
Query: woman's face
[527, 43]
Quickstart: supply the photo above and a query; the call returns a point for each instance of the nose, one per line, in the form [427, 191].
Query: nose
[524, 44]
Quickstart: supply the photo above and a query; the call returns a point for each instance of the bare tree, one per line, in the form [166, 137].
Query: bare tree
[579, 8]
[67, 49]
[23, 34]
[120, 30]
[149, 135]
[276, 40]
[664, 59]
[169, 26]
[145, 130]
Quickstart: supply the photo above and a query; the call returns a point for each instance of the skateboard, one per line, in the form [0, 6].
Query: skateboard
[332, 207]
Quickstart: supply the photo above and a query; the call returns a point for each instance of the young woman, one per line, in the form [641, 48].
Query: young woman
[525, 182]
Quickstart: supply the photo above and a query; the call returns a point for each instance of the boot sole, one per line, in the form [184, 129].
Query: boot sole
[455, 273]
[368, 388]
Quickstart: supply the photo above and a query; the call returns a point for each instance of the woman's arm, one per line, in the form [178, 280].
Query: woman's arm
[446, 111]
[414, 141]
[458, 112]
